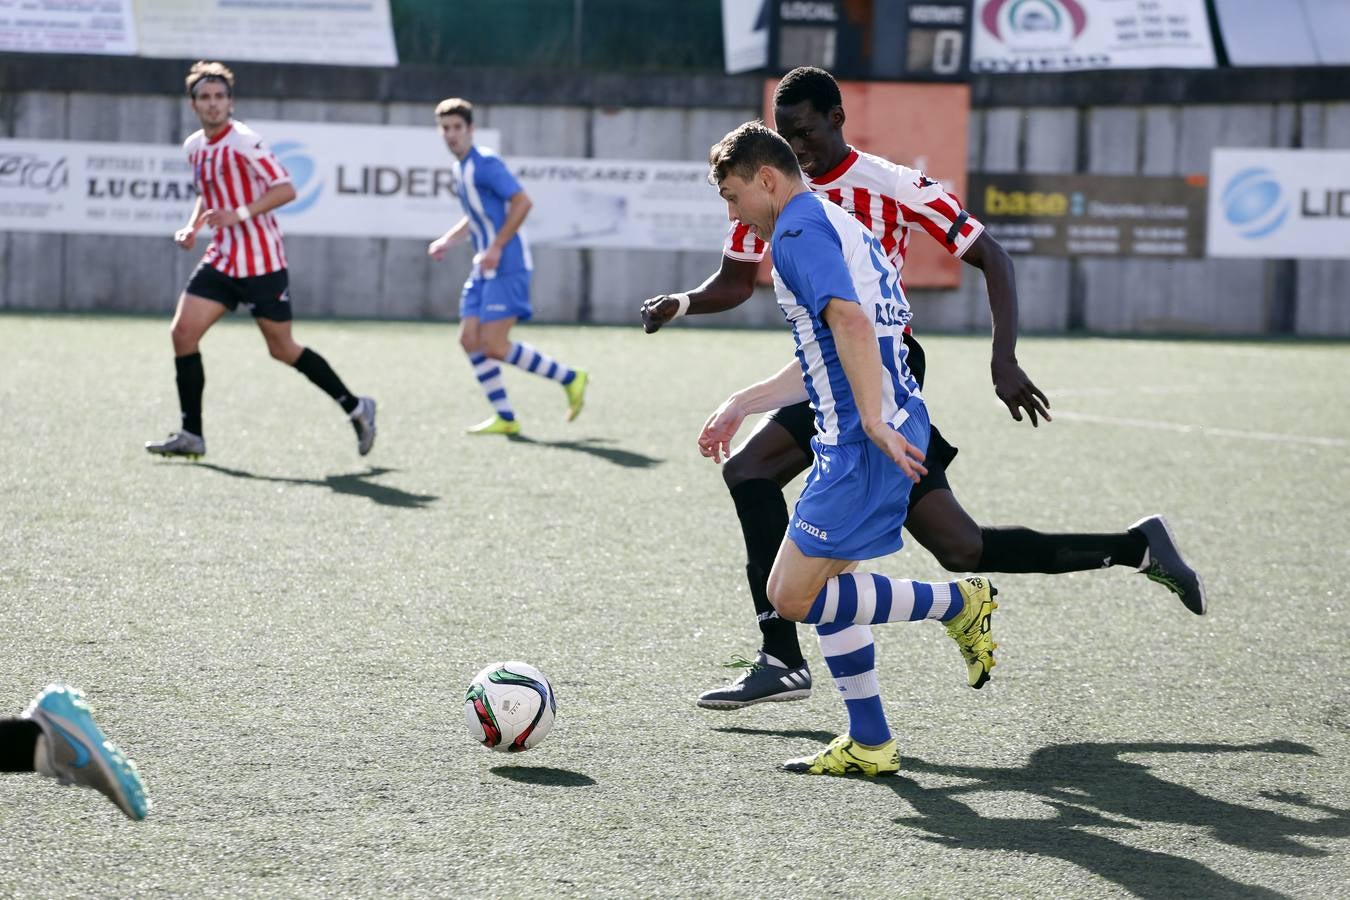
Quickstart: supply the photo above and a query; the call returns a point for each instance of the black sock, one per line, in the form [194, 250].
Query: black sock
[191, 381]
[1023, 550]
[18, 739]
[764, 521]
[316, 369]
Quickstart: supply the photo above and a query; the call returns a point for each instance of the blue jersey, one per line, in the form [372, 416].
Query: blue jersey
[821, 253]
[485, 187]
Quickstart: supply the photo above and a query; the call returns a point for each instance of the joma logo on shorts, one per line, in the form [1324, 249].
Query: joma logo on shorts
[813, 530]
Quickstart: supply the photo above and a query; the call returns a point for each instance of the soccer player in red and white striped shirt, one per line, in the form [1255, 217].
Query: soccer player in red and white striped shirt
[893, 201]
[239, 183]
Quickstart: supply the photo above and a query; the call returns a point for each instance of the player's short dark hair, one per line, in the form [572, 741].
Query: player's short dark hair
[202, 70]
[808, 83]
[455, 106]
[743, 151]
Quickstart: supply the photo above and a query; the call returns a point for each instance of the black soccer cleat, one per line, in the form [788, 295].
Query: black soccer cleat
[1163, 564]
[761, 682]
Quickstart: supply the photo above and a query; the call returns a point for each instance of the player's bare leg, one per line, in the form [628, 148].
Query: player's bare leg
[192, 318]
[283, 347]
[939, 522]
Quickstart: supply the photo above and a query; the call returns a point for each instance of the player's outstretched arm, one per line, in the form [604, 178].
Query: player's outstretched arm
[1012, 385]
[457, 233]
[730, 286]
[855, 340]
[783, 389]
[186, 236]
[275, 196]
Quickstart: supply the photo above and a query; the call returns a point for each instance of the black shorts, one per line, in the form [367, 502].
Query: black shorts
[800, 422]
[269, 295]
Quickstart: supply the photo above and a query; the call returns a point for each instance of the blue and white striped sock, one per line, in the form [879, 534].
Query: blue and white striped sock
[490, 380]
[851, 657]
[531, 360]
[867, 598]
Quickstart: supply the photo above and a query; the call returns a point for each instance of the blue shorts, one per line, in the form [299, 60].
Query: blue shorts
[500, 297]
[856, 498]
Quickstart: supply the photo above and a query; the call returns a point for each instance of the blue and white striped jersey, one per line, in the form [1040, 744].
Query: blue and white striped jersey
[821, 253]
[485, 186]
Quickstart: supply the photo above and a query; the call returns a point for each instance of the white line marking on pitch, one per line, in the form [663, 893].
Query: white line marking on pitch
[1160, 390]
[1201, 429]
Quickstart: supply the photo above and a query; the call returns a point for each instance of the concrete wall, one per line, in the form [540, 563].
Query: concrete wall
[394, 279]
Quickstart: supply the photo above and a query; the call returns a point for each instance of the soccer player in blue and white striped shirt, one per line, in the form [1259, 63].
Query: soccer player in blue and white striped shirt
[843, 300]
[497, 294]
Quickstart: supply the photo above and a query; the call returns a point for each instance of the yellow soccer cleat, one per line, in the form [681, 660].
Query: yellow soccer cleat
[576, 393]
[846, 757]
[971, 628]
[495, 425]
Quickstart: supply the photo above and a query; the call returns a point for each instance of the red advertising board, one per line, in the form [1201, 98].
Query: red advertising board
[921, 125]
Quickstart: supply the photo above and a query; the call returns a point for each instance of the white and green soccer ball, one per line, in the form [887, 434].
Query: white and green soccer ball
[509, 707]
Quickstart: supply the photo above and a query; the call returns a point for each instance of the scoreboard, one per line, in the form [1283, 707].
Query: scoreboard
[889, 40]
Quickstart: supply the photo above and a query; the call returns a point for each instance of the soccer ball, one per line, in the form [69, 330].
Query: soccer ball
[509, 707]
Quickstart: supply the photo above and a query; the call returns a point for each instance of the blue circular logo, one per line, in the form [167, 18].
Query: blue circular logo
[301, 167]
[1252, 203]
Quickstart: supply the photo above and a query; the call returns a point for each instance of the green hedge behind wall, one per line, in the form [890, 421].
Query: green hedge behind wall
[640, 35]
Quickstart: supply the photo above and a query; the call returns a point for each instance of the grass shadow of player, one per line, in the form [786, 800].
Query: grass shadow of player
[627, 458]
[803, 734]
[1091, 785]
[357, 484]
[545, 775]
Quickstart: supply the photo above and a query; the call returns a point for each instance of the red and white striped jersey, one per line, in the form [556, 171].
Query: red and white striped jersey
[230, 170]
[886, 198]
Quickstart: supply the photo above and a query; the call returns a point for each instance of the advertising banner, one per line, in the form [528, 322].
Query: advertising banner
[920, 125]
[350, 32]
[1061, 35]
[745, 35]
[1280, 203]
[1092, 215]
[59, 26]
[361, 181]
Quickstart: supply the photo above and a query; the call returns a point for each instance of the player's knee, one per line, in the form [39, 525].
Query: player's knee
[745, 465]
[284, 351]
[496, 349]
[469, 342]
[735, 470]
[786, 602]
[960, 551]
[184, 337]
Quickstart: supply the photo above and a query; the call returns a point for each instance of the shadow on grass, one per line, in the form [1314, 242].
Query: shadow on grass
[1092, 786]
[823, 737]
[356, 484]
[544, 775]
[626, 458]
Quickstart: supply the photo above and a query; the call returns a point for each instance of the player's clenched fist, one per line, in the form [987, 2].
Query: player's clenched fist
[658, 311]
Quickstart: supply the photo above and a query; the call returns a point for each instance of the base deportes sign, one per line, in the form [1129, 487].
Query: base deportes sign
[1280, 203]
[1092, 215]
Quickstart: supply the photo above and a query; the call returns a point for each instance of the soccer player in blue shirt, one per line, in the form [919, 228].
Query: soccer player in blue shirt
[497, 294]
[843, 300]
